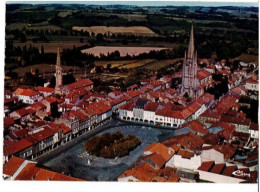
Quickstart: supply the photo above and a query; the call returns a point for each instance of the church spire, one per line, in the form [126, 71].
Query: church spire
[58, 85]
[58, 62]
[191, 44]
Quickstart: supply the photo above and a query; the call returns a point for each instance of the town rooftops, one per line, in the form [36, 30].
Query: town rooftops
[206, 166]
[156, 158]
[185, 153]
[225, 149]
[144, 172]
[31, 172]
[81, 83]
[229, 170]
[11, 148]
[202, 74]
[151, 106]
[128, 106]
[235, 120]
[160, 148]
[140, 103]
[254, 127]
[188, 141]
[218, 168]
[45, 89]
[12, 165]
[196, 126]
[8, 121]
[251, 81]
[64, 128]
[25, 92]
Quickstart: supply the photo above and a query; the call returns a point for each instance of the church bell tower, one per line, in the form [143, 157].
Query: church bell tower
[58, 85]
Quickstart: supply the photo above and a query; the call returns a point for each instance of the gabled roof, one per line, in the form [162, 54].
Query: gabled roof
[229, 170]
[202, 74]
[22, 112]
[11, 148]
[151, 106]
[188, 141]
[31, 172]
[185, 153]
[128, 106]
[12, 165]
[45, 89]
[196, 126]
[8, 121]
[254, 127]
[218, 168]
[144, 172]
[160, 148]
[206, 166]
[81, 83]
[64, 128]
[156, 158]
[29, 92]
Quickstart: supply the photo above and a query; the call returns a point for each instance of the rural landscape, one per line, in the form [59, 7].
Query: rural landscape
[131, 93]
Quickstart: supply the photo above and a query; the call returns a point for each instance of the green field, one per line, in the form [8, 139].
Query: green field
[159, 64]
[52, 46]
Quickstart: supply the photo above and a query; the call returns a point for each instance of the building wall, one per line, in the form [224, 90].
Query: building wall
[177, 161]
[212, 155]
[254, 134]
[252, 86]
[217, 178]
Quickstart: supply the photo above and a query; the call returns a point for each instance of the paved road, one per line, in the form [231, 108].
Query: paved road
[66, 159]
[72, 143]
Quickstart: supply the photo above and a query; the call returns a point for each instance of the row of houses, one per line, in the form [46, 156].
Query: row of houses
[164, 114]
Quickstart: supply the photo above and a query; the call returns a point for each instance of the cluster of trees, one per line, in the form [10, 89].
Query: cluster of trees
[33, 79]
[66, 79]
[221, 88]
[252, 111]
[111, 145]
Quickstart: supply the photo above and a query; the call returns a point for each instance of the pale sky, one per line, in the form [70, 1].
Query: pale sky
[148, 3]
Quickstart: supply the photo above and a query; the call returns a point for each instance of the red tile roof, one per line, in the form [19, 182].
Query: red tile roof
[229, 170]
[218, 168]
[185, 153]
[211, 139]
[151, 106]
[12, 165]
[28, 172]
[11, 148]
[45, 89]
[64, 128]
[196, 126]
[206, 166]
[144, 172]
[45, 133]
[31, 172]
[202, 74]
[22, 112]
[128, 106]
[188, 141]
[29, 92]
[164, 151]
[8, 121]
[235, 120]
[156, 158]
[81, 83]
[254, 127]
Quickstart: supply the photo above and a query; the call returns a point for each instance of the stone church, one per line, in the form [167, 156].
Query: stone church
[189, 71]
